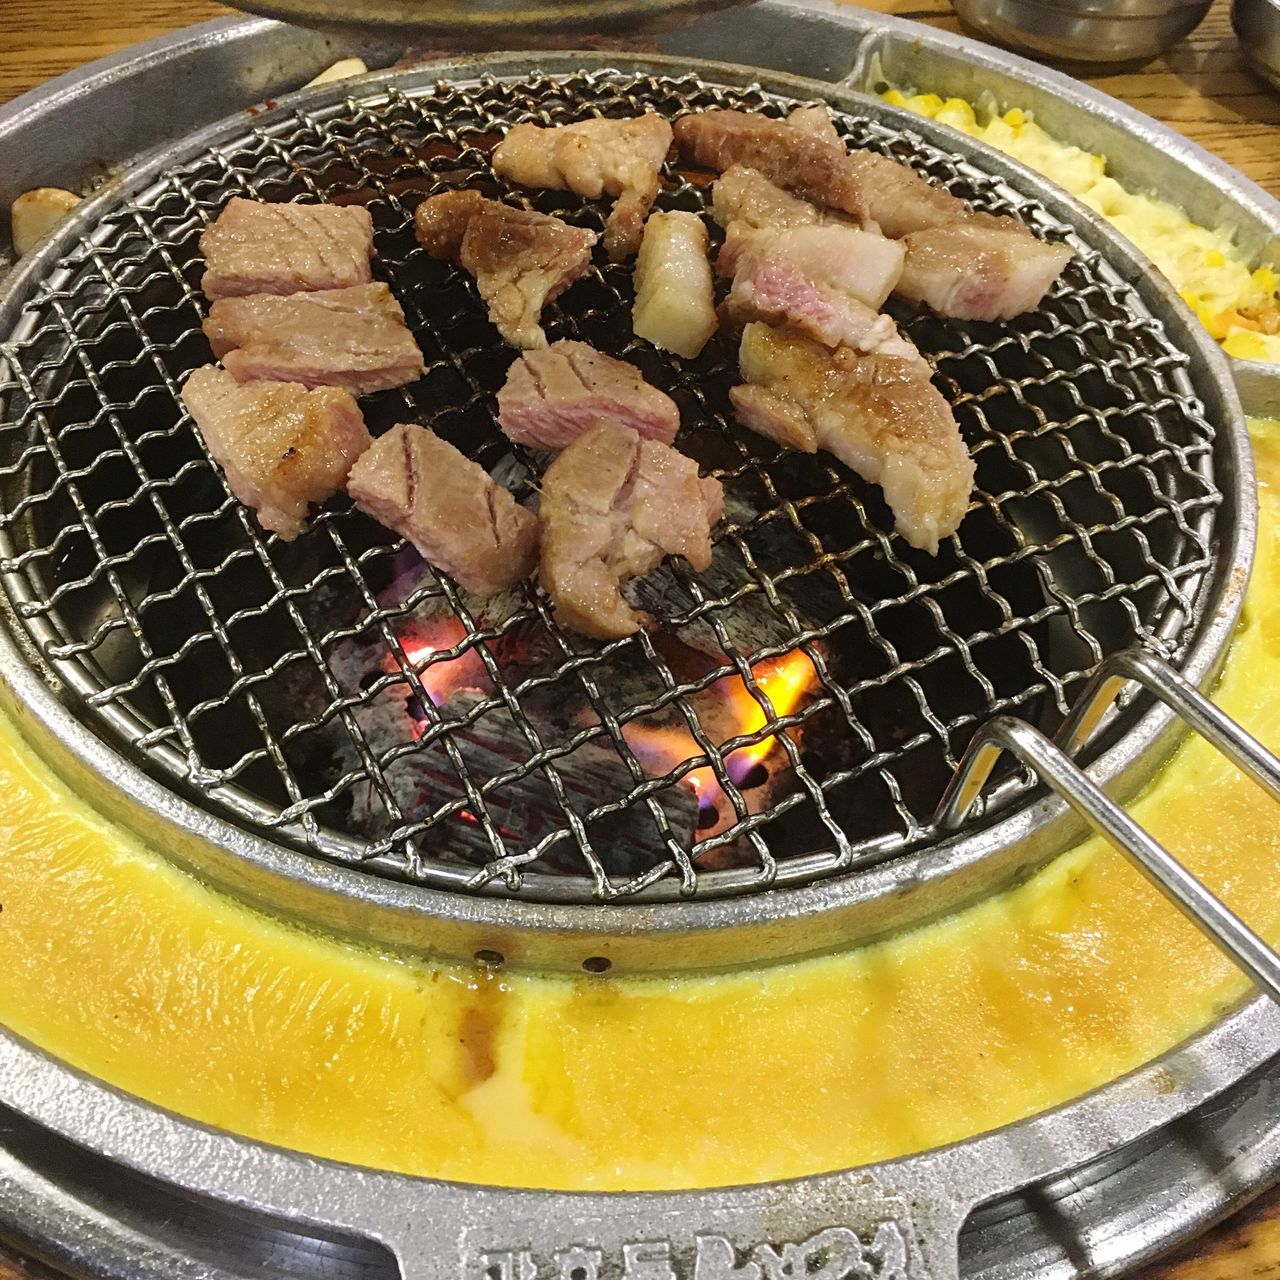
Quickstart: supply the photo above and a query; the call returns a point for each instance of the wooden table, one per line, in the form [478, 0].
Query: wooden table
[1201, 88]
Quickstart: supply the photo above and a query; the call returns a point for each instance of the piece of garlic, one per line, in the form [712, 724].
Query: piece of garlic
[341, 70]
[675, 302]
[36, 213]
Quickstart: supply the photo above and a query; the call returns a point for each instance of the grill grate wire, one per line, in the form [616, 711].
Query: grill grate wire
[215, 651]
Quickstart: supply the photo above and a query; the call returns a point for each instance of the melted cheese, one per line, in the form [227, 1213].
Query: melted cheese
[133, 971]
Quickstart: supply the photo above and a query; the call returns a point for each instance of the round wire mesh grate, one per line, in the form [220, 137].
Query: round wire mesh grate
[796, 711]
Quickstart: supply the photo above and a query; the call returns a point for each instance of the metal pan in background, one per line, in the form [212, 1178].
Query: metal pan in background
[466, 21]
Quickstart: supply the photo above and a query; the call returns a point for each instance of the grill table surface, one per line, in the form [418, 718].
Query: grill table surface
[1201, 88]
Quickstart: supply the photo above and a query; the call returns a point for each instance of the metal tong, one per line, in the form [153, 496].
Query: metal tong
[1051, 759]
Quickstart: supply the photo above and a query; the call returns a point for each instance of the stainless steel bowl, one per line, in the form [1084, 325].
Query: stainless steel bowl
[1087, 31]
[1257, 23]
[484, 21]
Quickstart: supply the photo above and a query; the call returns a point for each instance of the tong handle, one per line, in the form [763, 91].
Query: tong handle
[1052, 762]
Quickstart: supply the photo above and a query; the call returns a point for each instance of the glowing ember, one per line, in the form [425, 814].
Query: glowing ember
[441, 676]
[784, 680]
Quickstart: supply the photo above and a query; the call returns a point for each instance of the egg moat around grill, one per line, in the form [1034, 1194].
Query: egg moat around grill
[300, 691]
[138, 974]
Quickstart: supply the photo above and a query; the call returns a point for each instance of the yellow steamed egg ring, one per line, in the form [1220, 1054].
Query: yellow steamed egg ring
[136, 973]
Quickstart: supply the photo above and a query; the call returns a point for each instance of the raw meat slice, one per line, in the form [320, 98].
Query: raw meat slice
[520, 260]
[354, 338]
[285, 248]
[878, 414]
[281, 446]
[595, 158]
[551, 397]
[461, 522]
[613, 505]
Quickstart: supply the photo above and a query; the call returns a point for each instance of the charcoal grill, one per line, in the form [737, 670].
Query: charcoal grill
[219, 678]
[258, 679]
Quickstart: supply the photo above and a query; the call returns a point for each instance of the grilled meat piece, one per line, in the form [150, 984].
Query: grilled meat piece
[803, 161]
[979, 268]
[448, 507]
[961, 263]
[281, 446]
[744, 201]
[745, 195]
[354, 338]
[829, 319]
[551, 397]
[899, 200]
[520, 260]
[971, 266]
[877, 413]
[595, 158]
[675, 299]
[613, 505]
[828, 281]
[815, 120]
[285, 248]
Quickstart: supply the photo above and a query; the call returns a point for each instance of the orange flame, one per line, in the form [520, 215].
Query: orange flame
[442, 677]
[785, 680]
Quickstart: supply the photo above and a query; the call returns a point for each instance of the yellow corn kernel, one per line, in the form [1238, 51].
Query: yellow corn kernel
[1214, 259]
[1244, 344]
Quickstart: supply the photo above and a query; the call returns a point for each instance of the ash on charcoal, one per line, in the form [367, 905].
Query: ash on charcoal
[524, 810]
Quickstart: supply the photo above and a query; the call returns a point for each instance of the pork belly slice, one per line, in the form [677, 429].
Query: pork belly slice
[816, 120]
[551, 397]
[744, 201]
[802, 160]
[675, 305]
[281, 446]
[804, 154]
[893, 195]
[285, 248]
[898, 199]
[520, 260]
[828, 281]
[974, 270]
[877, 413]
[743, 194]
[613, 505]
[595, 158]
[354, 338]
[461, 522]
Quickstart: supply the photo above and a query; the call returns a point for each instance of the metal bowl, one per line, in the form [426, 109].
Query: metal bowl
[1257, 23]
[1088, 31]
[483, 20]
